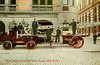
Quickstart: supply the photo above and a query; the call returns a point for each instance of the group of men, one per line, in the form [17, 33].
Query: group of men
[49, 31]
[58, 32]
[19, 28]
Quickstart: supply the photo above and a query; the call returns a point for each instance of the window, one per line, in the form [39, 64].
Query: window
[99, 28]
[95, 14]
[65, 8]
[82, 30]
[82, 19]
[89, 17]
[41, 5]
[35, 2]
[73, 2]
[35, 8]
[65, 2]
[42, 8]
[42, 2]
[89, 31]
[12, 8]
[49, 2]
[12, 1]
[85, 18]
[2, 1]
[49, 8]
[2, 8]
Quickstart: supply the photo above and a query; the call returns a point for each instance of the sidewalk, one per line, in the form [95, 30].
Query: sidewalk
[89, 46]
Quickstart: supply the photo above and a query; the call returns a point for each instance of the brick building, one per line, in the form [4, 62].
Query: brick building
[88, 17]
[52, 11]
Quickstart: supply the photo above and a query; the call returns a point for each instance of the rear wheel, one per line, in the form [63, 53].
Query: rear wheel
[31, 44]
[7, 45]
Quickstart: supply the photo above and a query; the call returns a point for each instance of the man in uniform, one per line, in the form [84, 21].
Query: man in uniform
[20, 28]
[34, 27]
[74, 25]
[48, 33]
[94, 38]
[15, 28]
[58, 33]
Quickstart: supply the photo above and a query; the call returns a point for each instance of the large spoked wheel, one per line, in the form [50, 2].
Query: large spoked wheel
[31, 44]
[77, 42]
[7, 45]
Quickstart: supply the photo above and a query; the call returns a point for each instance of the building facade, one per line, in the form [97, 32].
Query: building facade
[88, 17]
[54, 11]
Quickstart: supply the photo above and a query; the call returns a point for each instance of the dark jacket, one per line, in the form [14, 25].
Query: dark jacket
[58, 32]
[48, 33]
[34, 25]
[20, 27]
[15, 28]
[74, 25]
[95, 37]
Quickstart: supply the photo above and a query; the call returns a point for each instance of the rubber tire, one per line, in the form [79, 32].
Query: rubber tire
[30, 44]
[7, 45]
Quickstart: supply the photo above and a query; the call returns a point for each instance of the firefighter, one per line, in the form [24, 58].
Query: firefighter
[74, 25]
[58, 33]
[48, 33]
[94, 38]
[15, 28]
[20, 28]
[34, 27]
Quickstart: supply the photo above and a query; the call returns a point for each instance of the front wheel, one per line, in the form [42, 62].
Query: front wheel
[31, 44]
[77, 42]
[7, 45]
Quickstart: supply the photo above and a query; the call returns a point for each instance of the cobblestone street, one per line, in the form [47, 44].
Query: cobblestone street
[44, 54]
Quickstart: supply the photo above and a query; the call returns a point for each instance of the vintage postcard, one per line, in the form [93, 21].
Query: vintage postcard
[49, 32]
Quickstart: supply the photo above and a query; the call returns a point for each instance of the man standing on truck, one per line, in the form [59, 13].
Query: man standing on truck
[20, 28]
[15, 28]
[74, 25]
[34, 26]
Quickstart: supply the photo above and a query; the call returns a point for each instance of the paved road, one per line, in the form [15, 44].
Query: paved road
[46, 55]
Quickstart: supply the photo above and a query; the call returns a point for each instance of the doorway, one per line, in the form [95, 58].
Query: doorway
[2, 27]
[42, 32]
[44, 23]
